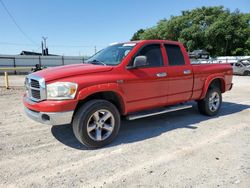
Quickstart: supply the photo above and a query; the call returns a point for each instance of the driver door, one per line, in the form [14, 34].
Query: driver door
[146, 87]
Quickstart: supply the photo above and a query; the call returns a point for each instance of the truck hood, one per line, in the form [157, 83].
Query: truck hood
[55, 73]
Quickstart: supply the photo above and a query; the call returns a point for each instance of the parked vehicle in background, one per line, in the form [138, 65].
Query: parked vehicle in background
[241, 67]
[38, 67]
[199, 54]
[133, 79]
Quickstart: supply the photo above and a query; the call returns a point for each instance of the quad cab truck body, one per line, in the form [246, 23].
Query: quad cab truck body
[133, 79]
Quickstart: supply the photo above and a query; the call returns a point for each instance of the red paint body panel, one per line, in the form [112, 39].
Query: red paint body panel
[55, 73]
[137, 89]
[50, 106]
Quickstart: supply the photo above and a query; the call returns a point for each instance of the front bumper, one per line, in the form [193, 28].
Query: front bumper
[50, 118]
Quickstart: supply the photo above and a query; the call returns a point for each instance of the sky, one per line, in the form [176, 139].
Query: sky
[77, 27]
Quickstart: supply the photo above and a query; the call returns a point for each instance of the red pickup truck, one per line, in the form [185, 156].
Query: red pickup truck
[132, 79]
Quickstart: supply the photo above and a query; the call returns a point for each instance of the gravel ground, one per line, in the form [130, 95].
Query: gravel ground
[179, 149]
[14, 80]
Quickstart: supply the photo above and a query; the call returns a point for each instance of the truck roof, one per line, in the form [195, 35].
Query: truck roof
[156, 41]
[148, 42]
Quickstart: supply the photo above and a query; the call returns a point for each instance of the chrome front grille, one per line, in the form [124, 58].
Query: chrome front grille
[35, 94]
[36, 89]
[34, 83]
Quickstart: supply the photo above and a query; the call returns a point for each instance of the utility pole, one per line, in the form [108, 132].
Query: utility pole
[44, 39]
[95, 50]
[42, 48]
[45, 49]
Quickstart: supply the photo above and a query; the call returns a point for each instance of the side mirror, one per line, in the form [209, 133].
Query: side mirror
[140, 61]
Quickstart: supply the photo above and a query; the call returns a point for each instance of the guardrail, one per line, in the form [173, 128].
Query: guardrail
[6, 76]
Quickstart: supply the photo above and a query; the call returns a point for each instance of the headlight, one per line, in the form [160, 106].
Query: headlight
[61, 90]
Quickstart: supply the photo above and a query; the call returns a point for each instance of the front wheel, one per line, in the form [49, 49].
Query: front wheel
[211, 104]
[96, 123]
[246, 73]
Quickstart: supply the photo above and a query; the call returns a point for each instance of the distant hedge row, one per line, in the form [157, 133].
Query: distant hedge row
[214, 29]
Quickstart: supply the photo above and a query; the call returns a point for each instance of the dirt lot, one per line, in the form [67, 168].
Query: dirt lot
[179, 149]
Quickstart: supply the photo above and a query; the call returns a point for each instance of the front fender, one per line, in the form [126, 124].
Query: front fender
[107, 87]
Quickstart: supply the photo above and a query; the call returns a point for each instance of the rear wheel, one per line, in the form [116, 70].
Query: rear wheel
[96, 123]
[211, 104]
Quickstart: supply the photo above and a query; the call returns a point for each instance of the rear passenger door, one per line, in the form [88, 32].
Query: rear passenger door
[180, 76]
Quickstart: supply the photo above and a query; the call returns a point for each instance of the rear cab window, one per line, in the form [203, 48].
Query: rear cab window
[174, 54]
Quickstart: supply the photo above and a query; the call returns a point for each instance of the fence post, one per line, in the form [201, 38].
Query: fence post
[6, 79]
[14, 61]
[40, 63]
[62, 60]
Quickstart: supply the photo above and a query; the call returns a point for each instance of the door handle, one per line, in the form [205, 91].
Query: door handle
[161, 74]
[187, 71]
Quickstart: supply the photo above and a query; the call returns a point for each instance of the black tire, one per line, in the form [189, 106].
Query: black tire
[246, 73]
[204, 106]
[81, 122]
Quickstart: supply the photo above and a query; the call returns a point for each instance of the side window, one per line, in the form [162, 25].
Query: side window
[175, 56]
[153, 54]
[238, 65]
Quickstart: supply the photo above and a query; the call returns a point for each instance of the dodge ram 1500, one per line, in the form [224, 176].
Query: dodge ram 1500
[132, 79]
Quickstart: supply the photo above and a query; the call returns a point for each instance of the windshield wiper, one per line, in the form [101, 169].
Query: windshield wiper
[97, 62]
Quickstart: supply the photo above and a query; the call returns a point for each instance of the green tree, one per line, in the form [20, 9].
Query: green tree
[214, 29]
[137, 35]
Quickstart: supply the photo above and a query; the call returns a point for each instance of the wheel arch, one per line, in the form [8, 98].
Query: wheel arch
[246, 72]
[214, 81]
[107, 92]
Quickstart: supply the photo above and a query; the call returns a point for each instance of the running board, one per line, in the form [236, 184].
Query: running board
[157, 112]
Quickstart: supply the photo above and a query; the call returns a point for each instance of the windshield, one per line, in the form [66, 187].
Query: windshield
[112, 55]
[246, 62]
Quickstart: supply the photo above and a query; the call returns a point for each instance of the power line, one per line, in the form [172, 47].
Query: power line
[15, 22]
[76, 46]
[54, 45]
[16, 44]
